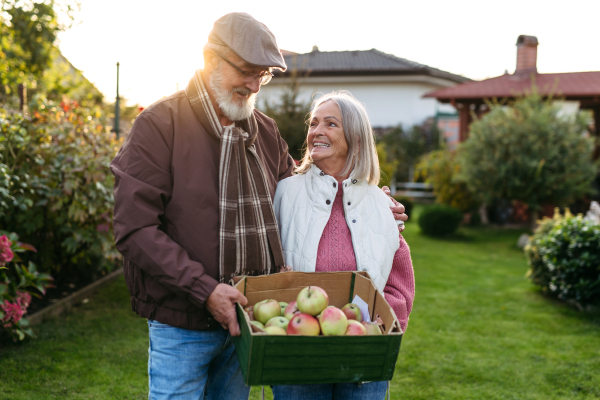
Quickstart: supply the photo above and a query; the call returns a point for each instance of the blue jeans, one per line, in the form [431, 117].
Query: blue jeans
[331, 391]
[193, 365]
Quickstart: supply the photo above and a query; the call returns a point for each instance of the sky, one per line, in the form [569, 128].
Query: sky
[159, 43]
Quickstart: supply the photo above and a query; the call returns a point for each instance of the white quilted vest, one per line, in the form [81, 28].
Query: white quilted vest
[303, 206]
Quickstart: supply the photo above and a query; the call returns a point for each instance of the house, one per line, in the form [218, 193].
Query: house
[391, 87]
[580, 90]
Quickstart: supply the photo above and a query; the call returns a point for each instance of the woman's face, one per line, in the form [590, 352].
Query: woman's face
[326, 141]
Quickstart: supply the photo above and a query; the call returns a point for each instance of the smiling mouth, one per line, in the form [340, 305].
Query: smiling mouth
[322, 145]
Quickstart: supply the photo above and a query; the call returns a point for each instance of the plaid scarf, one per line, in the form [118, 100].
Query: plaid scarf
[248, 234]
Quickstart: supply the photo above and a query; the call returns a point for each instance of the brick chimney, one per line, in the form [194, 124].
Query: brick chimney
[526, 54]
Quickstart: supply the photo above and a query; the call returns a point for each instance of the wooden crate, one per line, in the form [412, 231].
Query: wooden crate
[275, 360]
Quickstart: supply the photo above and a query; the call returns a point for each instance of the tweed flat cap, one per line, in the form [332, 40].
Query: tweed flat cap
[249, 39]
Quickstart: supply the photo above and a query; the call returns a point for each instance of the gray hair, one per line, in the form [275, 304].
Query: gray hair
[212, 49]
[362, 161]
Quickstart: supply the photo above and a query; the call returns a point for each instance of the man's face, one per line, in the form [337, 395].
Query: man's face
[234, 94]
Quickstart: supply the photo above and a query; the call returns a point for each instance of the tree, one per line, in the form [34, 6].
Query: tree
[28, 31]
[528, 152]
[440, 168]
[406, 148]
[290, 115]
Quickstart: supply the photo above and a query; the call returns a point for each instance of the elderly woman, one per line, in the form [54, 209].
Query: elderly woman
[333, 217]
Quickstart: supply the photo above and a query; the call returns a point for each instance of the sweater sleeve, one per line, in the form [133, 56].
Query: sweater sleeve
[399, 290]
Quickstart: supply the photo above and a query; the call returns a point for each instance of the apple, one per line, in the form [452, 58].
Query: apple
[312, 300]
[281, 322]
[250, 311]
[257, 324]
[352, 312]
[266, 309]
[355, 328]
[333, 321]
[275, 330]
[372, 328]
[290, 310]
[303, 324]
[283, 305]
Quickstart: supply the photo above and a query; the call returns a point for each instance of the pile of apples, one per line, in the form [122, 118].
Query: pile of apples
[310, 315]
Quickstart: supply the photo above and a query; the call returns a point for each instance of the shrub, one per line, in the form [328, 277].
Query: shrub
[564, 258]
[56, 188]
[17, 284]
[407, 203]
[440, 220]
[528, 151]
[440, 168]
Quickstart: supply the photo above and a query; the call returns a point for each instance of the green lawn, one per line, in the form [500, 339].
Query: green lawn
[478, 330]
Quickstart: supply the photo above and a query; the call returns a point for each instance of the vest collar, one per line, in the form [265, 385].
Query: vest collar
[320, 184]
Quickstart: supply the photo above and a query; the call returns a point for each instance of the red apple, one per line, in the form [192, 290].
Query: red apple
[290, 310]
[312, 300]
[333, 321]
[352, 312]
[281, 322]
[275, 330]
[372, 328]
[303, 324]
[266, 309]
[355, 328]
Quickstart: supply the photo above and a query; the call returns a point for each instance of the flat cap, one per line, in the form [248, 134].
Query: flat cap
[249, 39]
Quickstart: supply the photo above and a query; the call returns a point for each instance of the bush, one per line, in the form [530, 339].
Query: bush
[17, 284]
[440, 220]
[440, 168]
[564, 258]
[407, 203]
[56, 188]
[528, 151]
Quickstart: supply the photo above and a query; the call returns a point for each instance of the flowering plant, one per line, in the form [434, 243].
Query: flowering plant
[564, 258]
[17, 284]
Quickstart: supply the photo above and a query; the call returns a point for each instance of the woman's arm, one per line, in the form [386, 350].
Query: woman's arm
[399, 291]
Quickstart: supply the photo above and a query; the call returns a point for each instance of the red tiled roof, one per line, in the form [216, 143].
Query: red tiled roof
[572, 84]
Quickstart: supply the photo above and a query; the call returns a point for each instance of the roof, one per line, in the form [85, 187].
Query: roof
[569, 85]
[359, 62]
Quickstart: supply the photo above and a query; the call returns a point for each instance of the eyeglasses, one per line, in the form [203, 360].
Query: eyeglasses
[263, 78]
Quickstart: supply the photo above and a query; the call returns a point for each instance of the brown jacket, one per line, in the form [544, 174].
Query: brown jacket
[166, 218]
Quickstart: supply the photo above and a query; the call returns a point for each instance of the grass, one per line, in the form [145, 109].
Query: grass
[478, 330]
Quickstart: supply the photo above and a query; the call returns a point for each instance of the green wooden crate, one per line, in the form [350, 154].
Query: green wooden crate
[274, 360]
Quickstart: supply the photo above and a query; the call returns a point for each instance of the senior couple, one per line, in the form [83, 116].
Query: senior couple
[205, 190]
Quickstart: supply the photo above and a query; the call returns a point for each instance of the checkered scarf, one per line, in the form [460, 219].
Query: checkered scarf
[249, 241]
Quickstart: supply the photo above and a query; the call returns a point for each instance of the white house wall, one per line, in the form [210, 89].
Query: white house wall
[389, 102]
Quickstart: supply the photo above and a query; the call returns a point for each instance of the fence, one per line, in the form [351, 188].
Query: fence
[414, 190]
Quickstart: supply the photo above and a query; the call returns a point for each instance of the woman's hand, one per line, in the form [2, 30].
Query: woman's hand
[287, 268]
[398, 210]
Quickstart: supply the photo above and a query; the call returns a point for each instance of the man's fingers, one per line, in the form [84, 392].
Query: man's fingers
[386, 190]
[234, 328]
[240, 298]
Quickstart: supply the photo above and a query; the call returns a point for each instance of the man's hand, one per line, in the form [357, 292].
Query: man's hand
[221, 304]
[398, 210]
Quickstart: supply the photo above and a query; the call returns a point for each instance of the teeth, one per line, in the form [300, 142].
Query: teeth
[320, 145]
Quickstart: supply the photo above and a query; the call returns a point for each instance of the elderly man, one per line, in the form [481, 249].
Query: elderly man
[194, 183]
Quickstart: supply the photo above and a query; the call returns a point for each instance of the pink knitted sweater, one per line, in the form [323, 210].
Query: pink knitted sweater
[336, 253]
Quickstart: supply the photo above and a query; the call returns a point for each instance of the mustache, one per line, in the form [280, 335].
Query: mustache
[243, 91]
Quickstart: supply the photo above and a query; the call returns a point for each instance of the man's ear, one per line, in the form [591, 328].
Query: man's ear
[210, 60]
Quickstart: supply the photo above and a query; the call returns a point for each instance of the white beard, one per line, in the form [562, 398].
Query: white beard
[230, 108]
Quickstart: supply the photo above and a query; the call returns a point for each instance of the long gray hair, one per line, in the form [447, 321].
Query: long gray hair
[362, 161]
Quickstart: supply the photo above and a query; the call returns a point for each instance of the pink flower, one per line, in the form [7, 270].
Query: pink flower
[13, 312]
[6, 254]
[23, 299]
